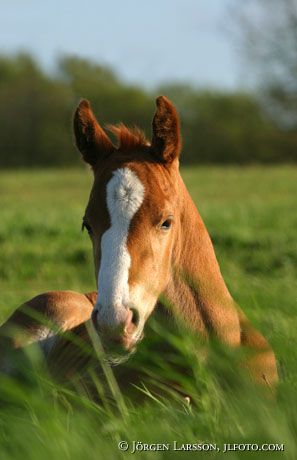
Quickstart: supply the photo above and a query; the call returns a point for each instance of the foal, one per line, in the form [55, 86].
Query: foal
[148, 240]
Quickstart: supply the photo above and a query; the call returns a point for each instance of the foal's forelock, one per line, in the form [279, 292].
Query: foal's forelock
[124, 197]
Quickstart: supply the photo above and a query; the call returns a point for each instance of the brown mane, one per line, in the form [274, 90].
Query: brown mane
[128, 138]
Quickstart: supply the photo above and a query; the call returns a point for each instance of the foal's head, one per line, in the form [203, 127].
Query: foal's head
[132, 217]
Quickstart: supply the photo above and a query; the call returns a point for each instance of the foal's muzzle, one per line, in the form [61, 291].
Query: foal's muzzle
[120, 337]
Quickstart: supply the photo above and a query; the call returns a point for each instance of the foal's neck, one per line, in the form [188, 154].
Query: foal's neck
[197, 290]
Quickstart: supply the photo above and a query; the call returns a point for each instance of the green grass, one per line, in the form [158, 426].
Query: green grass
[252, 219]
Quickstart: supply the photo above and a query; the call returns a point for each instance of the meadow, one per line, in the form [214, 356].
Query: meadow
[251, 215]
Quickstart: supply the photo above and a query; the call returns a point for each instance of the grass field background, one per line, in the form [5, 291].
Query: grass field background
[251, 215]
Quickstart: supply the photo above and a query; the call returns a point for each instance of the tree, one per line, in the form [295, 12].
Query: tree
[36, 110]
[267, 35]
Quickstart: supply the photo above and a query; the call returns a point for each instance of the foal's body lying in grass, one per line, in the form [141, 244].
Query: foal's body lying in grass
[149, 242]
[69, 311]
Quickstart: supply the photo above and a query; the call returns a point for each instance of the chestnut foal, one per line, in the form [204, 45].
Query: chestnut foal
[148, 240]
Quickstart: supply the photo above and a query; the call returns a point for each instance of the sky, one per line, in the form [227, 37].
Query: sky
[145, 41]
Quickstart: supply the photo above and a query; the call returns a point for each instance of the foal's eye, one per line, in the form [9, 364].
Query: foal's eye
[86, 226]
[166, 224]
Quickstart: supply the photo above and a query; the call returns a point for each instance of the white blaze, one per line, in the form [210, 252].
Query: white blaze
[125, 194]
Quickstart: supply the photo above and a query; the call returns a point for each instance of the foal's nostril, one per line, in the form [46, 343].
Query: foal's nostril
[135, 316]
[122, 330]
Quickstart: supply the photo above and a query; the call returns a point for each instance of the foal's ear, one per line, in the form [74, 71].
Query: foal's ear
[90, 138]
[166, 142]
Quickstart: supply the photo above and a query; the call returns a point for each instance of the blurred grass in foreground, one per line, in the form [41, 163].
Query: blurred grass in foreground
[251, 216]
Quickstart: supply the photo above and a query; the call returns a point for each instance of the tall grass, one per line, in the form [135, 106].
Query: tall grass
[251, 216]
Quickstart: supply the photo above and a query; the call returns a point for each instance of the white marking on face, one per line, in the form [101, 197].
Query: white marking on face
[125, 194]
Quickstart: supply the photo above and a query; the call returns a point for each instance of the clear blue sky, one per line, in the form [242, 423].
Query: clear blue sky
[145, 41]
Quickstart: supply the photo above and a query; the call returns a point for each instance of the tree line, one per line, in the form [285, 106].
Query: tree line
[36, 110]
